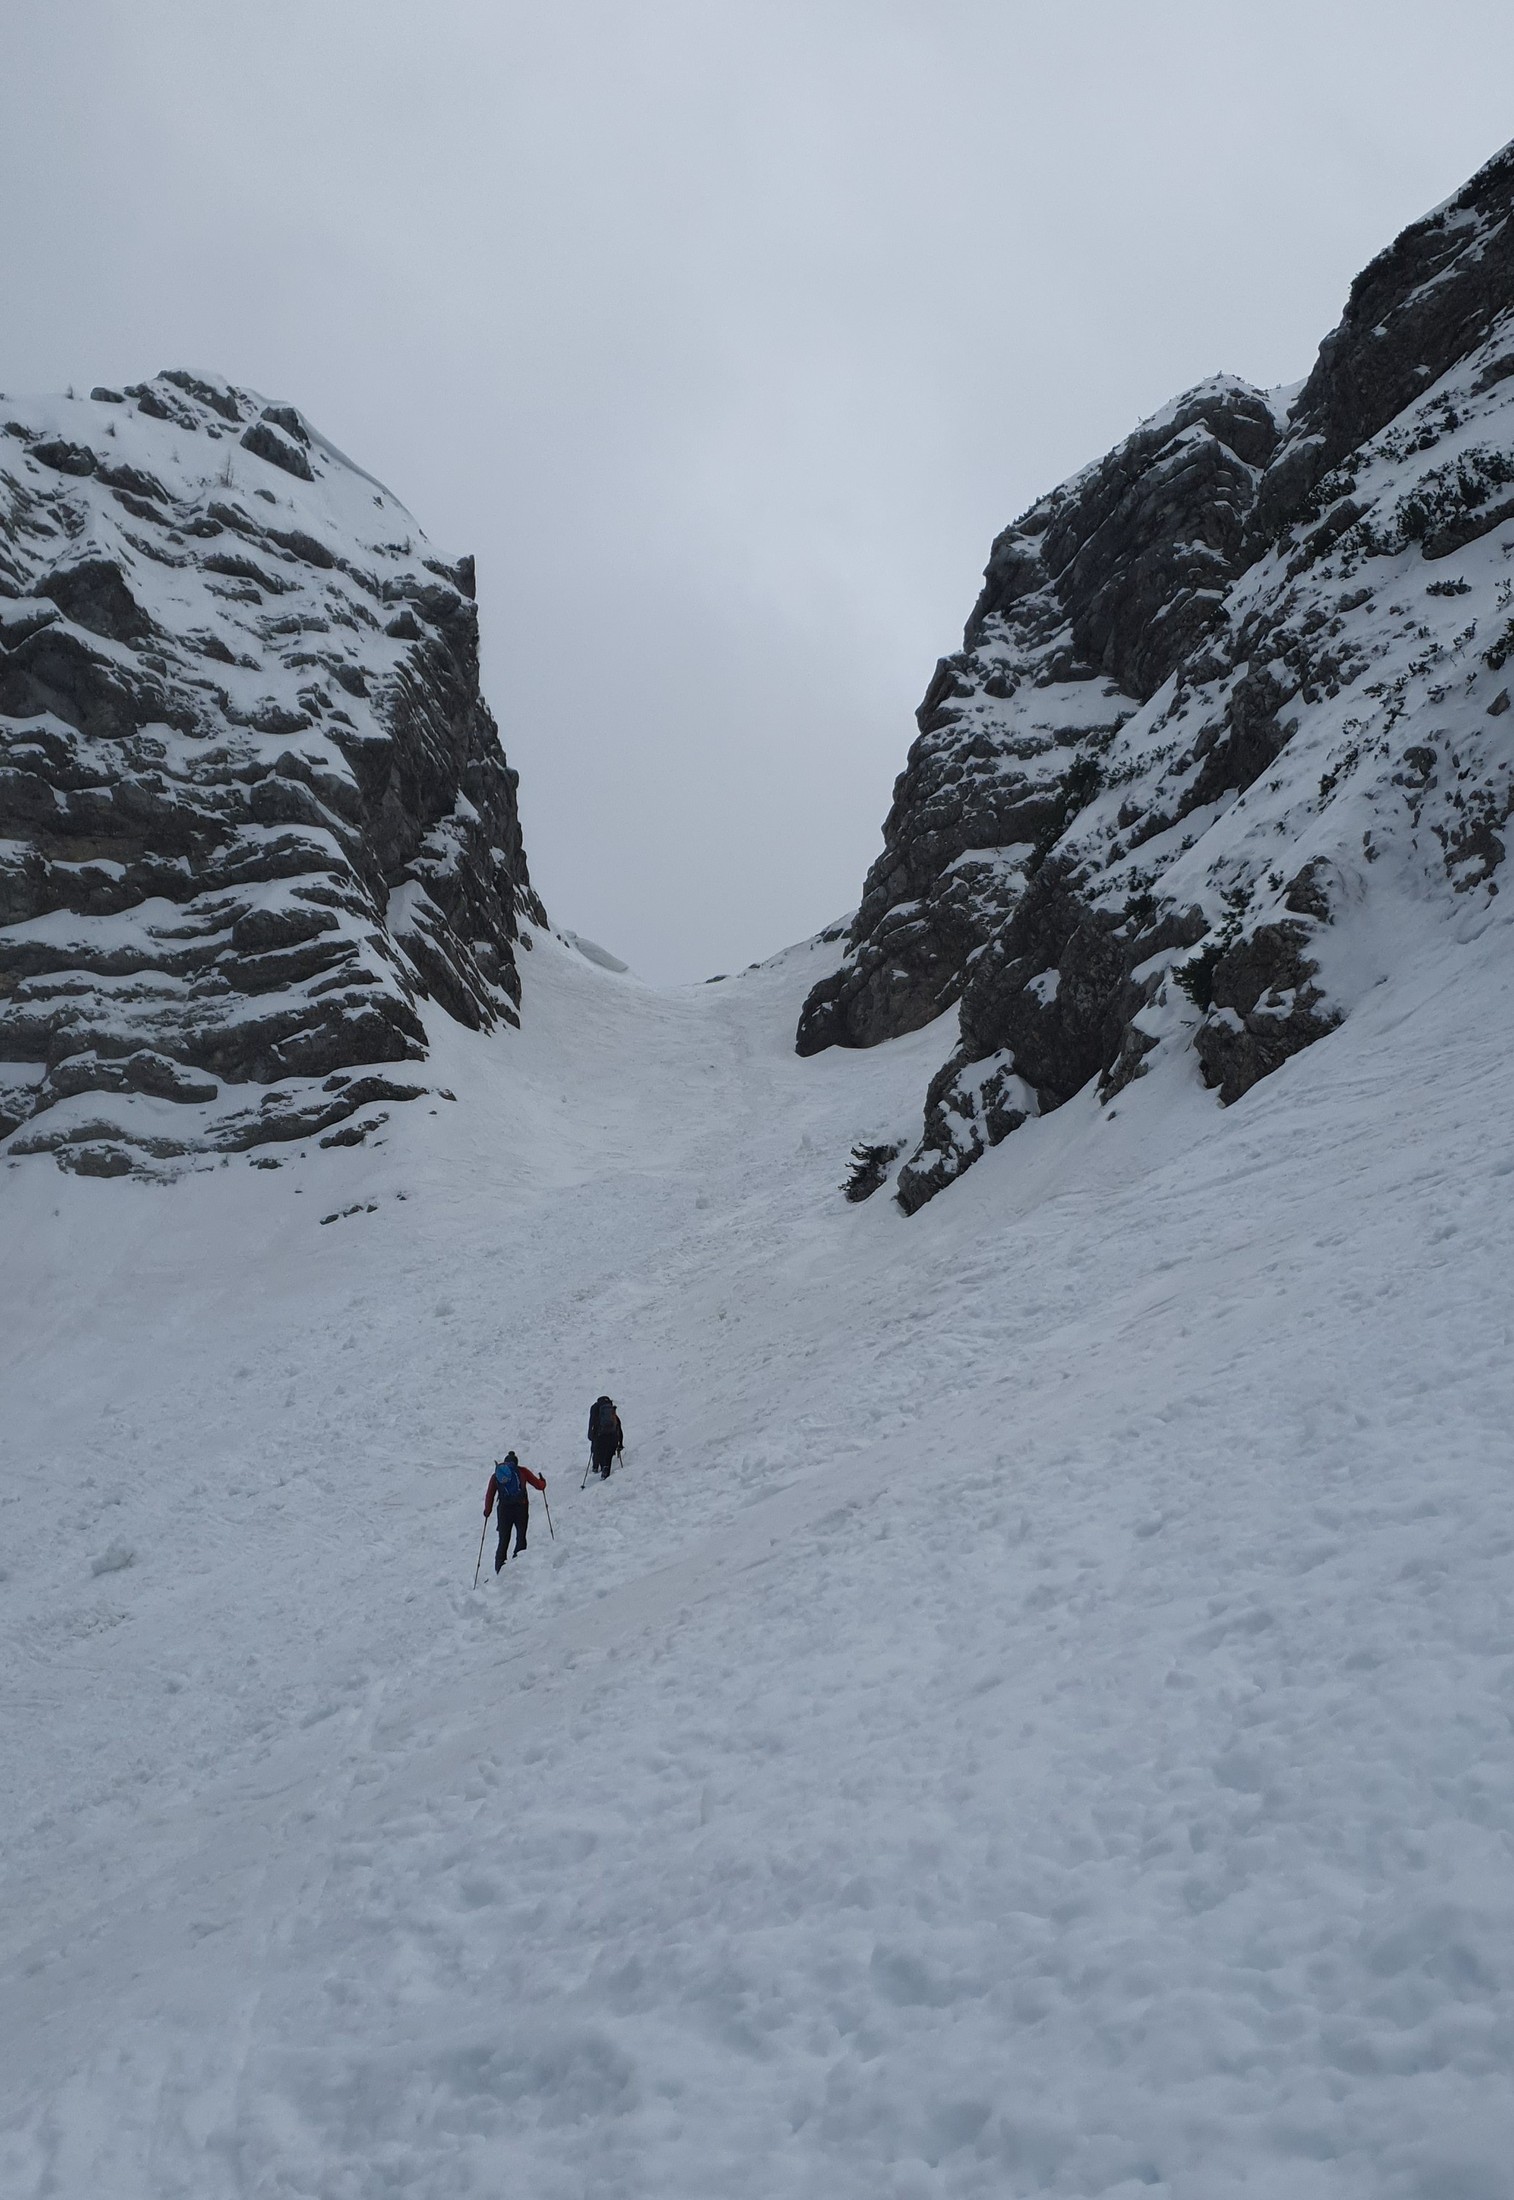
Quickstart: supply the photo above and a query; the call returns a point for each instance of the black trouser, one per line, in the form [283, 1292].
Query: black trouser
[514, 1512]
[603, 1454]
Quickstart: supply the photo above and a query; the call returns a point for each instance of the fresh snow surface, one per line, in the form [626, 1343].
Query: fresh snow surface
[1033, 1715]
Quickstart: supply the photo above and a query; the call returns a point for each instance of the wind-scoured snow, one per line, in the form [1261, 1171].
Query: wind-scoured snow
[1031, 1717]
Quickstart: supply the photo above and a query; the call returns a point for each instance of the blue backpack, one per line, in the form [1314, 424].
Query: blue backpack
[507, 1479]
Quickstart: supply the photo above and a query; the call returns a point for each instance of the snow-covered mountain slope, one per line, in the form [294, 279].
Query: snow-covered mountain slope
[1232, 702]
[252, 806]
[1032, 1717]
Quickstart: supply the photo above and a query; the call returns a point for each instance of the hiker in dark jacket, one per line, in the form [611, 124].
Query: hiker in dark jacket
[508, 1484]
[605, 1439]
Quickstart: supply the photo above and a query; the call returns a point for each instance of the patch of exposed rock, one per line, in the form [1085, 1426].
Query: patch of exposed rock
[1087, 604]
[253, 808]
[1210, 685]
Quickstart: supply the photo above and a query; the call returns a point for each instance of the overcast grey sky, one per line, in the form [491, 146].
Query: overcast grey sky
[726, 335]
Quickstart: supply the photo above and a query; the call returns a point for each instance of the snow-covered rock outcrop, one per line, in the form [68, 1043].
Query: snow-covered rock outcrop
[1224, 693]
[252, 805]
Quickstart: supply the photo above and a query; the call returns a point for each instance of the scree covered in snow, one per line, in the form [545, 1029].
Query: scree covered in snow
[1031, 1717]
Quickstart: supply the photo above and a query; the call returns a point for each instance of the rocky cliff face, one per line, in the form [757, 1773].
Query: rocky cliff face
[253, 809]
[1221, 692]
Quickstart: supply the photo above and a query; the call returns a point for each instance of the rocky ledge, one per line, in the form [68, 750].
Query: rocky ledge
[1221, 693]
[253, 809]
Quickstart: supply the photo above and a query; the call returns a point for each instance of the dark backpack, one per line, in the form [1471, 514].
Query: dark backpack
[507, 1479]
[603, 1419]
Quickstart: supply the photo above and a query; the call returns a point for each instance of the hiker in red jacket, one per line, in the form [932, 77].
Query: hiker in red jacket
[508, 1484]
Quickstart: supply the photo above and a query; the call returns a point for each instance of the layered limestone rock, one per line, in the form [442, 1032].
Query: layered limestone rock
[1087, 603]
[1211, 684]
[253, 809]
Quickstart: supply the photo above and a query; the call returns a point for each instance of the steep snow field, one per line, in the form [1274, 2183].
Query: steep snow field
[1033, 1715]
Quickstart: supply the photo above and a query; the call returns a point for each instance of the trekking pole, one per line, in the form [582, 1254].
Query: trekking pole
[583, 1485]
[482, 1533]
[550, 1529]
